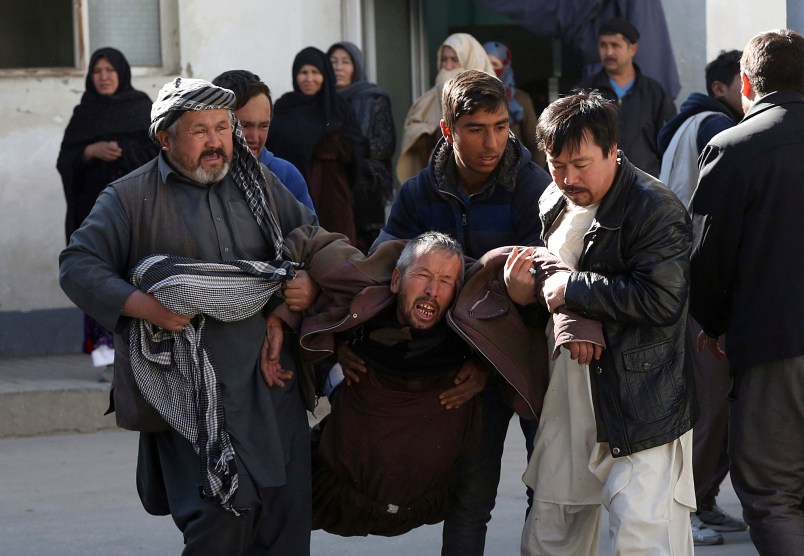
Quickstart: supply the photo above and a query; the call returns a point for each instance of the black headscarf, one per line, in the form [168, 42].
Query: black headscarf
[300, 121]
[122, 117]
[375, 184]
[360, 84]
[100, 115]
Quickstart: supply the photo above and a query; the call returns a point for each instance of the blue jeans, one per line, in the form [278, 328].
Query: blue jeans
[465, 527]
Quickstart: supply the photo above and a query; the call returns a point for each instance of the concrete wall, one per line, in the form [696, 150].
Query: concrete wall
[732, 27]
[718, 25]
[688, 38]
[35, 317]
[263, 37]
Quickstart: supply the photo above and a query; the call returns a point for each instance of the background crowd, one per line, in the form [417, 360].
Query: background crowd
[473, 162]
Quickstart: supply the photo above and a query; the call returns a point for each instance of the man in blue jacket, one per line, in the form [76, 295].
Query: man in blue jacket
[702, 117]
[482, 188]
[254, 110]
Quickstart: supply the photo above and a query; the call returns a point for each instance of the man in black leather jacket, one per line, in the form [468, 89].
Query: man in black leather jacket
[617, 431]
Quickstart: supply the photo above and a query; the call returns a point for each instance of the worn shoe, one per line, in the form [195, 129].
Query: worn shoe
[106, 374]
[703, 535]
[718, 520]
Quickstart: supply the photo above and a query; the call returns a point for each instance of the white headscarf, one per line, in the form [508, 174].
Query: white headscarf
[424, 117]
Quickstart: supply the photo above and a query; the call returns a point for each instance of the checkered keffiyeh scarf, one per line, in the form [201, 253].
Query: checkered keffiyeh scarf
[173, 369]
[182, 95]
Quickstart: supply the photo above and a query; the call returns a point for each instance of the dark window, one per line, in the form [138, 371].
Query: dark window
[37, 34]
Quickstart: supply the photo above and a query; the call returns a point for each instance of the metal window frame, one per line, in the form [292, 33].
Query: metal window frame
[169, 40]
[419, 60]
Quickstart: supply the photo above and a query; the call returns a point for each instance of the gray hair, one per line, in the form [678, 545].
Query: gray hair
[429, 242]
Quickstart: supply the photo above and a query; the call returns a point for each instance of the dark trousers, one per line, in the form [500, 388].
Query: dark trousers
[710, 458]
[465, 527]
[766, 449]
[276, 520]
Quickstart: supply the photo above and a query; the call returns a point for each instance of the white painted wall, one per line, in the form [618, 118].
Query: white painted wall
[688, 39]
[732, 23]
[725, 25]
[263, 36]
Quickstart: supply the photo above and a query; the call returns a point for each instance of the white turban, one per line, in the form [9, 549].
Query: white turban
[182, 95]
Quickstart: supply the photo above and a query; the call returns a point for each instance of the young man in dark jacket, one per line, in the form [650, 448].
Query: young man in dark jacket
[746, 282]
[615, 432]
[482, 188]
[682, 140]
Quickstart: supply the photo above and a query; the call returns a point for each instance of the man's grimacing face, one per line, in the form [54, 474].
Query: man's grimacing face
[426, 288]
[201, 146]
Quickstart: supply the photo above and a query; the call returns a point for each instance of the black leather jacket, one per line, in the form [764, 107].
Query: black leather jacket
[634, 277]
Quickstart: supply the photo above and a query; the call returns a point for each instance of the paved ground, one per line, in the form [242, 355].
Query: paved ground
[73, 493]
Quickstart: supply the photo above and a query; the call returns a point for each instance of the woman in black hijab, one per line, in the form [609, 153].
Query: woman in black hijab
[107, 138]
[374, 186]
[315, 130]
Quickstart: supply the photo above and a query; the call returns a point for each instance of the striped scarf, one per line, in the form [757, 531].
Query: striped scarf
[181, 95]
[187, 397]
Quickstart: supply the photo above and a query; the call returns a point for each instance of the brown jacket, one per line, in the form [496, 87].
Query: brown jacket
[354, 288]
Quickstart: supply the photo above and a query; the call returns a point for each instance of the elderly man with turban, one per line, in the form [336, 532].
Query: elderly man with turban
[181, 258]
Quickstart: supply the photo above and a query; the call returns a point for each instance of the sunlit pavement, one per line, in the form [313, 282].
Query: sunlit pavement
[74, 494]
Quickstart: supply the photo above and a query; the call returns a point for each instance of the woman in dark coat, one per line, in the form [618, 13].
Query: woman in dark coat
[315, 129]
[372, 105]
[107, 138]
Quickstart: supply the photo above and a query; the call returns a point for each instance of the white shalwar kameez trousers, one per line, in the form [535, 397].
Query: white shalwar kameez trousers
[649, 494]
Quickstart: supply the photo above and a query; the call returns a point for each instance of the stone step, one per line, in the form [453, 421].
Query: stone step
[52, 394]
[61, 394]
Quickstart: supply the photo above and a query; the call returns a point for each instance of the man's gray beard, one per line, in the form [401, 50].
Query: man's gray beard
[199, 175]
[207, 178]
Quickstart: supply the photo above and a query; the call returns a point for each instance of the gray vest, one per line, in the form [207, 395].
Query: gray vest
[156, 228]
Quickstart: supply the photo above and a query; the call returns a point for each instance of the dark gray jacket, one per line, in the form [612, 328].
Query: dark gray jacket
[150, 211]
[633, 277]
